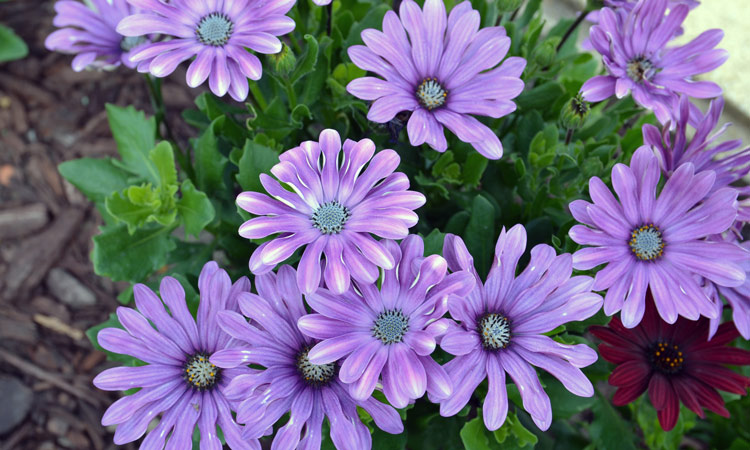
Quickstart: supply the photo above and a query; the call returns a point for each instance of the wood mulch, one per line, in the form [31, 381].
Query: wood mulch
[49, 294]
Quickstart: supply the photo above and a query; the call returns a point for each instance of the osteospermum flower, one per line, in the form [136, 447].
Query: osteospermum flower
[444, 73]
[178, 379]
[335, 206]
[633, 45]
[215, 33]
[730, 164]
[502, 326]
[91, 34]
[390, 332]
[675, 363]
[738, 297]
[657, 242]
[290, 383]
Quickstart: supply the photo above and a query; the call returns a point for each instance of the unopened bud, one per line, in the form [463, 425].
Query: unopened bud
[284, 61]
[545, 53]
[574, 114]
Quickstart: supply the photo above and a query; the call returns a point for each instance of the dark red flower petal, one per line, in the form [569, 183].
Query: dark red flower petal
[627, 394]
[628, 373]
[618, 355]
[723, 355]
[724, 335]
[707, 396]
[668, 415]
[720, 378]
[659, 389]
[610, 337]
[687, 396]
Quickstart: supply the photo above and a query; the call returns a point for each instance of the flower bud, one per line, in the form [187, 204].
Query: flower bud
[284, 61]
[574, 114]
[545, 53]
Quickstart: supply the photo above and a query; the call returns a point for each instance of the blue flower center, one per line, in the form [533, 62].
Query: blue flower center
[431, 94]
[646, 242]
[640, 69]
[330, 217]
[200, 373]
[390, 326]
[130, 42]
[494, 330]
[214, 29]
[666, 358]
[314, 374]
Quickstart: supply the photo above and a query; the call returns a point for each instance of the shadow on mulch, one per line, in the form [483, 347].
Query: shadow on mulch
[49, 294]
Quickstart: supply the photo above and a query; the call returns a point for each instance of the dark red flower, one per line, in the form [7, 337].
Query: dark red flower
[674, 362]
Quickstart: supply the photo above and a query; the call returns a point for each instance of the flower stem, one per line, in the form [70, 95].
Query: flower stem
[160, 113]
[291, 94]
[329, 23]
[258, 95]
[572, 28]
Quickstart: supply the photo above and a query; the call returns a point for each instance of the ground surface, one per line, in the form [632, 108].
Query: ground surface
[49, 294]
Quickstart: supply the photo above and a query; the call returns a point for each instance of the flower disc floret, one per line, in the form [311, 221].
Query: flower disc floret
[214, 29]
[494, 329]
[646, 242]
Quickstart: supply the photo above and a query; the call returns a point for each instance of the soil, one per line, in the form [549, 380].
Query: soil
[49, 294]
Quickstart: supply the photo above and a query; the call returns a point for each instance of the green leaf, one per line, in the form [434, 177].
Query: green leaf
[135, 137]
[480, 233]
[433, 243]
[125, 257]
[473, 435]
[96, 178]
[307, 63]
[209, 162]
[12, 47]
[256, 159]
[163, 158]
[524, 437]
[195, 209]
[608, 429]
[474, 169]
[134, 206]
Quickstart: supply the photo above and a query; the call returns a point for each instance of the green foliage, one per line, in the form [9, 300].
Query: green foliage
[12, 47]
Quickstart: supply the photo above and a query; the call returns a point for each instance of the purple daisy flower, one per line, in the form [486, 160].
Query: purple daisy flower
[633, 48]
[444, 72]
[657, 242]
[290, 383]
[390, 332]
[335, 206]
[502, 326]
[90, 33]
[178, 380]
[730, 164]
[216, 33]
[738, 297]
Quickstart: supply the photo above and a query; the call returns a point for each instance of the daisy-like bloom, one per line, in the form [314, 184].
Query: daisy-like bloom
[738, 297]
[502, 326]
[634, 50]
[657, 242]
[91, 34]
[290, 383]
[335, 206]
[444, 72]
[701, 150]
[178, 379]
[216, 33]
[675, 363]
[390, 332]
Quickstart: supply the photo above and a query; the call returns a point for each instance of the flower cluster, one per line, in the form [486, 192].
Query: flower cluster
[349, 308]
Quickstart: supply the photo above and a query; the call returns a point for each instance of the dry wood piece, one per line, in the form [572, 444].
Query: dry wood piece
[54, 324]
[16, 222]
[36, 256]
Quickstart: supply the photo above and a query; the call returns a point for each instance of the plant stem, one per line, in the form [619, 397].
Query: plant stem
[329, 23]
[291, 94]
[258, 95]
[568, 136]
[572, 28]
[160, 113]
